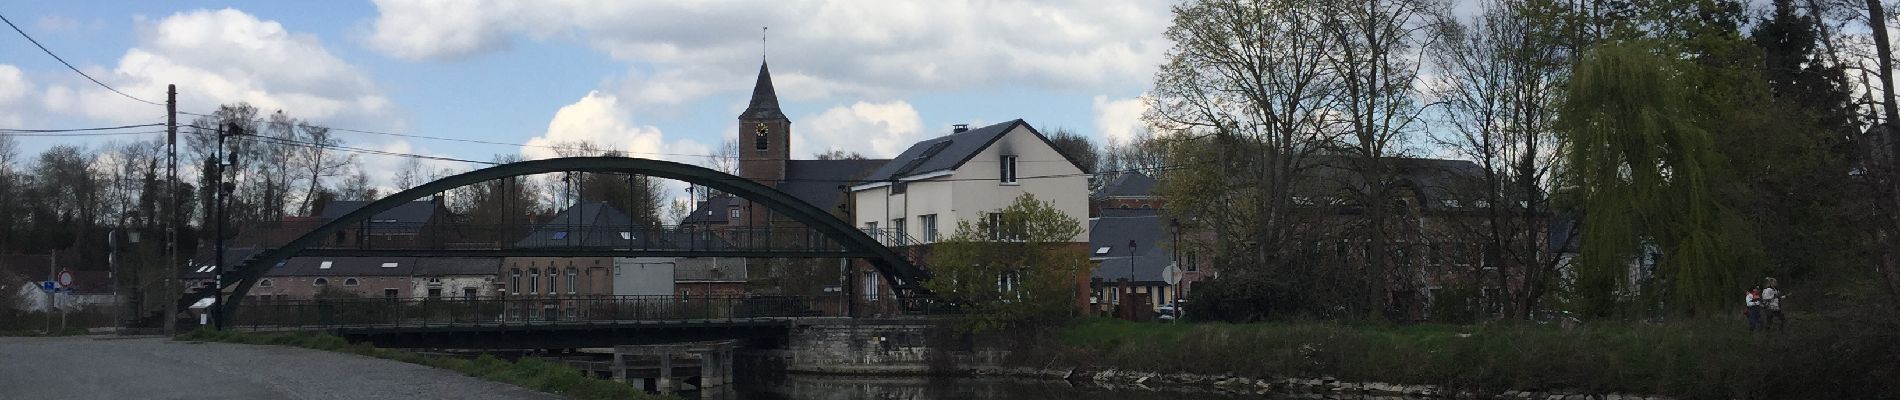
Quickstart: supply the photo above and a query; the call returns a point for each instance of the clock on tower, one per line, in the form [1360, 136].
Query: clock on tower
[759, 139]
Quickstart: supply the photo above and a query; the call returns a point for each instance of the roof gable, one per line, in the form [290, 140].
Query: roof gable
[952, 151]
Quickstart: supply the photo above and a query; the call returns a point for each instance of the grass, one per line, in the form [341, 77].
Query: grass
[1693, 359]
[531, 373]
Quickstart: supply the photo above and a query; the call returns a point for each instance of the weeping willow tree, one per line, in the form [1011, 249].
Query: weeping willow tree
[1643, 169]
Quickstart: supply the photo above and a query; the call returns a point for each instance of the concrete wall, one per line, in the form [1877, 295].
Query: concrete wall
[973, 190]
[453, 287]
[874, 347]
[643, 276]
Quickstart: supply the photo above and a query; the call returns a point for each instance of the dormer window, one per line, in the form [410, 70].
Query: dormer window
[1007, 167]
[758, 137]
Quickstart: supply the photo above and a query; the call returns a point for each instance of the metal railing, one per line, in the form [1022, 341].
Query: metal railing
[527, 310]
[374, 235]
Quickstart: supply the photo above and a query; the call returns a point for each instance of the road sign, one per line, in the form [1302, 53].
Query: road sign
[65, 279]
[47, 286]
[1172, 274]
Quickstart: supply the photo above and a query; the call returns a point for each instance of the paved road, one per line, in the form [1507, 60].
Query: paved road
[157, 368]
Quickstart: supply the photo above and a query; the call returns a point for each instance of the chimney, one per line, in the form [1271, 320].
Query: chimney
[959, 128]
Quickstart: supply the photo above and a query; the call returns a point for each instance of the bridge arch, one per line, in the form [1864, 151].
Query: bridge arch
[904, 276]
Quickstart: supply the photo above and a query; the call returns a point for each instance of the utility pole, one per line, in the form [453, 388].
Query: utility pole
[223, 189]
[171, 204]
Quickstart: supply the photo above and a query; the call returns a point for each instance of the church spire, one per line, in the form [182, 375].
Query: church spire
[764, 104]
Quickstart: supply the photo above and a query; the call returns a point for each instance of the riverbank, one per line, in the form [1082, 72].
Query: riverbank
[1697, 359]
[531, 373]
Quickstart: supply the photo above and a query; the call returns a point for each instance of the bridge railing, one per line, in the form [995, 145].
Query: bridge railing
[527, 310]
[384, 235]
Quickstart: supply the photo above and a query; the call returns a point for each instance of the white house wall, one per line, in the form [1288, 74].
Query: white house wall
[973, 190]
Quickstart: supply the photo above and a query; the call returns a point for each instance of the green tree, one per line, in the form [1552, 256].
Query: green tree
[1033, 273]
[1644, 169]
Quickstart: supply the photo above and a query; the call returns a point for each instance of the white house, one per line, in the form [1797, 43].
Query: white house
[925, 192]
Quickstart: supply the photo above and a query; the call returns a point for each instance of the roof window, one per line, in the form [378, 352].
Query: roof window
[324, 265]
[560, 235]
[389, 265]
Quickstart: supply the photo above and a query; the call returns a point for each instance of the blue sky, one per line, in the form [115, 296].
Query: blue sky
[654, 78]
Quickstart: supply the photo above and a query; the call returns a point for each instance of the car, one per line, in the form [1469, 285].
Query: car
[1169, 312]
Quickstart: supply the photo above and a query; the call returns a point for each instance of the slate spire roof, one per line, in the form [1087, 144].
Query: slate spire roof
[764, 98]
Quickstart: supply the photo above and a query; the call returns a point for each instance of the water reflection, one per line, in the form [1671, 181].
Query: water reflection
[810, 387]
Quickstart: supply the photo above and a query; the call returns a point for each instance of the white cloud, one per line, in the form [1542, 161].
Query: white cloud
[227, 56]
[597, 118]
[15, 90]
[823, 47]
[877, 130]
[1119, 121]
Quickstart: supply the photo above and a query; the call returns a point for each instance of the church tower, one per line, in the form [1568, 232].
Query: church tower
[764, 134]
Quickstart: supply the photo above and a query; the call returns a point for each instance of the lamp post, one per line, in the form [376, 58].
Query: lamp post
[1174, 226]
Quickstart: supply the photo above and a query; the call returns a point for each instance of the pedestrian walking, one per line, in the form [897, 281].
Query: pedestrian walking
[1752, 311]
[1771, 305]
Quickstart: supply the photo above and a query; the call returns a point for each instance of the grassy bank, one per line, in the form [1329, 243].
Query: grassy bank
[532, 373]
[1699, 359]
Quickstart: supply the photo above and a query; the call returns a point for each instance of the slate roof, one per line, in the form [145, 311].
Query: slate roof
[594, 224]
[1130, 184]
[949, 152]
[1437, 183]
[711, 211]
[1114, 229]
[348, 266]
[404, 219]
[764, 103]
[599, 225]
[822, 183]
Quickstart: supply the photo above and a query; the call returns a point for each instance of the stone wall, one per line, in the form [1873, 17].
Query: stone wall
[874, 347]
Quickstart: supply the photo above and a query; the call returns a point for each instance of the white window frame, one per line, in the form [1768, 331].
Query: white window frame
[571, 274]
[928, 222]
[1007, 167]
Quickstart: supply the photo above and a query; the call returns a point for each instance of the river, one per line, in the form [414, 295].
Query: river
[827, 387]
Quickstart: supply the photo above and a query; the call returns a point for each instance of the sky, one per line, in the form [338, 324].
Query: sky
[658, 79]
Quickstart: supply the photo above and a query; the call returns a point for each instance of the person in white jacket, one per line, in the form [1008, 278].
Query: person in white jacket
[1771, 305]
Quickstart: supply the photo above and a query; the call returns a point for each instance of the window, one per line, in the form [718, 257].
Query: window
[759, 138]
[534, 280]
[571, 274]
[320, 282]
[1102, 251]
[1001, 229]
[324, 265]
[898, 188]
[390, 294]
[468, 292]
[264, 283]
[897, 224]
[732, 213]
[559, 235]
[514, 279]
[554, 281]
[929, 223]
[1193, 264]
[435, 293]
[349, 282]
[389, 265]
[1008, 170]
[339, 237]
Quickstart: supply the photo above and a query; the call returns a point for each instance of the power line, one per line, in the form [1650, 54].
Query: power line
[29, 38]
[293, 142]
[46, 134]
[105, 128]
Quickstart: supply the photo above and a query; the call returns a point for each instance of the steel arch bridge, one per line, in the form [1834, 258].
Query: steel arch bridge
[905, 278]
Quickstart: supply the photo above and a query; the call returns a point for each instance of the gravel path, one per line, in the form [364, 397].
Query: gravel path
[158, 368]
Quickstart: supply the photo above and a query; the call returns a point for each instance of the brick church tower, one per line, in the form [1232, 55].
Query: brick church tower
[764, 134]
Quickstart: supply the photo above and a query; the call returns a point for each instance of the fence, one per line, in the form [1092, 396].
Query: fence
[527, 310]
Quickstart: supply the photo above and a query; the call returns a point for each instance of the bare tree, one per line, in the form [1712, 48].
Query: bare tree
[316, 163]
[1501, 73]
